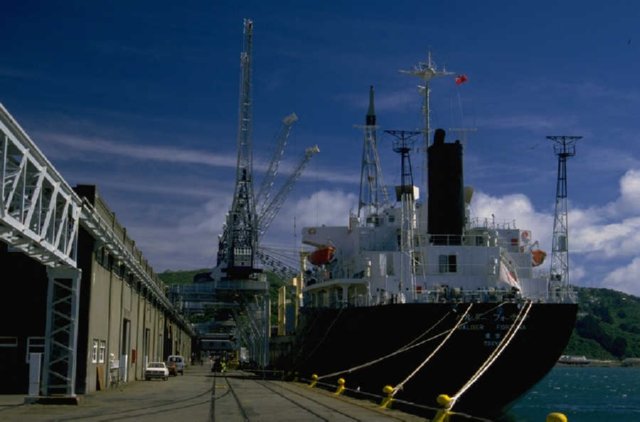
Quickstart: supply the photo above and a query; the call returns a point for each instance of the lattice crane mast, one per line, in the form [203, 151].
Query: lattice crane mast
[236, 251]
[250, 216]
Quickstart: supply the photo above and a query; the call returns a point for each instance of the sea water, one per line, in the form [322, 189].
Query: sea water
[583, 394]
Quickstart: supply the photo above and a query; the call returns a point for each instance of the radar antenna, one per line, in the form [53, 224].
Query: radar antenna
[427, 71]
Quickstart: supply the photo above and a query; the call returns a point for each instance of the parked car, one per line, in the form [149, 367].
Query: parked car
[176, 364]
[156, 370]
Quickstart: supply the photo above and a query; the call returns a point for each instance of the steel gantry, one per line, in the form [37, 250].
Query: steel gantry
[39, 212]
[39, 217]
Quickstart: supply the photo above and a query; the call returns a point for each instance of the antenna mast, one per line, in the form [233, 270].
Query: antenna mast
[564, 147]
[426, 71]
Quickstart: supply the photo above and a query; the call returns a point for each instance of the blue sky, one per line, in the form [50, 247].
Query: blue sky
[141, 99]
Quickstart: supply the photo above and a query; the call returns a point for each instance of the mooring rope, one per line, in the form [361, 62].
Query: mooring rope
[432, 354]
[326, 334]
[511, 333]
[404, 348]
[407, 347]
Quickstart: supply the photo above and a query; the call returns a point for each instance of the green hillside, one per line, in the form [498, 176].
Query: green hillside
[180, 277]
[608, 325]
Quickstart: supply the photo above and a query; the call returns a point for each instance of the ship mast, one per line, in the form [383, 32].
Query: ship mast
[427, 71]
[407, 195]
[564, 147]
[373, 194]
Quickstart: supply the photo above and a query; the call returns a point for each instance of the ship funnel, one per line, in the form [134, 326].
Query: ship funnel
[446, 203]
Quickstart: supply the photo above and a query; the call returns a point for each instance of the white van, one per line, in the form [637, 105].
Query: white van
[178, 362]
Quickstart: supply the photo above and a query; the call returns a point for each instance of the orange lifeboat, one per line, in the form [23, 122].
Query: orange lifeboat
[322, 255]
[538, 256]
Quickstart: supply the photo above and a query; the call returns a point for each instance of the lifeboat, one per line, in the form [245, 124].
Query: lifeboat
[322, 255]
[538, 256]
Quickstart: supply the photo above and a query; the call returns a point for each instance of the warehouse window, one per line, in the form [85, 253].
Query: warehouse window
[103, 351]
[94, 351]
[8, 341]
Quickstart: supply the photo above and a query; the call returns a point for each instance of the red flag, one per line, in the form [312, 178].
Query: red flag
[460, 79]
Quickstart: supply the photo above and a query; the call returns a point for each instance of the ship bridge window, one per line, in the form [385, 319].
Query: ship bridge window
[448, 263]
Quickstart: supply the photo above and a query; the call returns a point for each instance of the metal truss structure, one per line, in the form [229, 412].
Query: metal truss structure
[39, 212]
[40, 216]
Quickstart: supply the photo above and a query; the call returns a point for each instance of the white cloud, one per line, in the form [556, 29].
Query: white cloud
[190, 242]
[514, 208]
[625, 278]
[323, 207]
[148, 153]
[629, 200]
[604, 241]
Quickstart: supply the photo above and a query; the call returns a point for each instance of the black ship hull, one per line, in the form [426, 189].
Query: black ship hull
[333, 340]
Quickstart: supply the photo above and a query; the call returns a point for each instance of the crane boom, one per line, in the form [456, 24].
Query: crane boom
[266, 186]
[265, 219]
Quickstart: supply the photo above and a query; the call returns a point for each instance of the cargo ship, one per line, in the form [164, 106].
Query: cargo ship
[423, 303]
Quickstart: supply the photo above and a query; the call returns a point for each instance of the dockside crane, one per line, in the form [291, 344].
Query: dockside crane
[266, 186]
[237, 280]
[236, 251]
[273, 207]
[250, 216]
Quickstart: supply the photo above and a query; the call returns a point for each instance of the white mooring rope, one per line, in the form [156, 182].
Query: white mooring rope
[513, 330]
[424, 362]
[412, 344]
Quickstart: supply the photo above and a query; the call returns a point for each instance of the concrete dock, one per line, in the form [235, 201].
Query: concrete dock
[201, 395]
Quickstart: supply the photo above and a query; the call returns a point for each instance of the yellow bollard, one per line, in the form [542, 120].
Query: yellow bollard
[444, 413]
[314, 380]
[386, 401]
[557, 417]
[341, 386]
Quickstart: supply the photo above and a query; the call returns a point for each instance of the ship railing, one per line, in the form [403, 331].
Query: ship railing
[447, 294]
[563, 295]
[455, 239]
[486, 239]
[478, 223]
